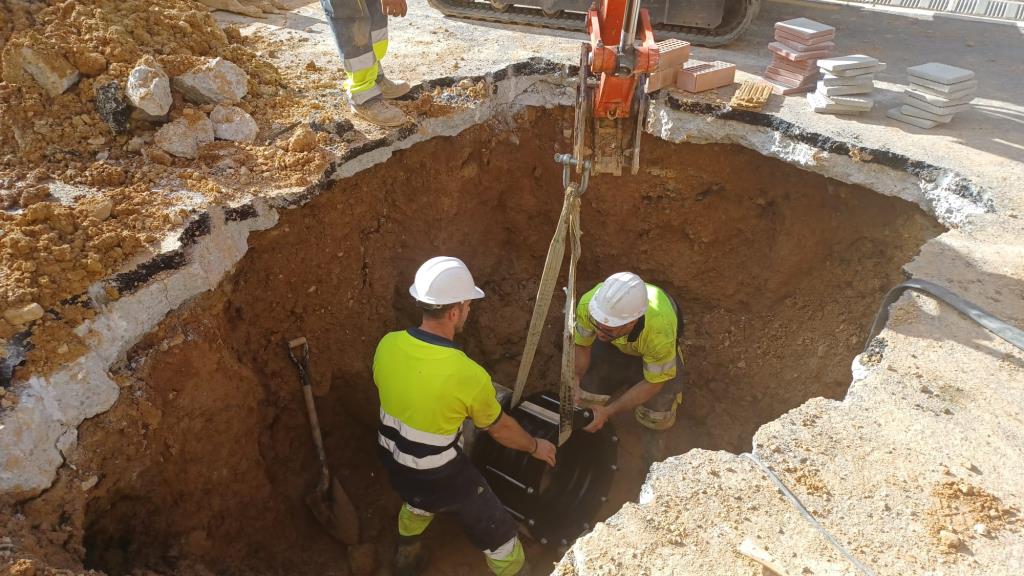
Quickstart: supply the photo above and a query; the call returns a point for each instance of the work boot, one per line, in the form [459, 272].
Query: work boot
[390, 89]
[377, 111]
[655, 420]
[586, 399]
[409, 557]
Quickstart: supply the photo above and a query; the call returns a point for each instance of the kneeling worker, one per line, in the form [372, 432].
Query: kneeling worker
[628, 330]
[427, 388]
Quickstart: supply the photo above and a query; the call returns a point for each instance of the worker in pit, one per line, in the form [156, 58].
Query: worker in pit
[627, 334]
[428, 387]
[360, 30]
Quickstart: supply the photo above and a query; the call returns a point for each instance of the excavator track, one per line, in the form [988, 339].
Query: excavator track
[737, 20]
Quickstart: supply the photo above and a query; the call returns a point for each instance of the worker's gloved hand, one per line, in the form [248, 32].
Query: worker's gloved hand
[393, 7]
[601, 414]
[544, 451]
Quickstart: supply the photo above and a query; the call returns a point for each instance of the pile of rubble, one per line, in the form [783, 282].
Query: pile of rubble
[218, 82]
[116, 117]
[78, 63]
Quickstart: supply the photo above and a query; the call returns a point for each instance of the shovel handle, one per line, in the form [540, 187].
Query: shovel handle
[301, 362]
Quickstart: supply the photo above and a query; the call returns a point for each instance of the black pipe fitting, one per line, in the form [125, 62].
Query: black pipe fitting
[556, 504]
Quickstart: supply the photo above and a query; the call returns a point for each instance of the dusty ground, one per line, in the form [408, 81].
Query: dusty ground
[977, 379]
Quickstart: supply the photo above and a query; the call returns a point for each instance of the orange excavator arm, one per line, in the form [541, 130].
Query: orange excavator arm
[610, 95]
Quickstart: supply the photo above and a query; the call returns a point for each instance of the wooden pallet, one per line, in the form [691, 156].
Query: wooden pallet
[752, 95]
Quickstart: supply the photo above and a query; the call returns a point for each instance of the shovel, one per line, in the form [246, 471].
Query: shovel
[329, 503]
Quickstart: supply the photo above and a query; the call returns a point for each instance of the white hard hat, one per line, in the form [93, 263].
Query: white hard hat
[620, 300]
[444, 280]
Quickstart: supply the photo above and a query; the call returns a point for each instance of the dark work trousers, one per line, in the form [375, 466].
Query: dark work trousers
[610, 371]
[465, 495]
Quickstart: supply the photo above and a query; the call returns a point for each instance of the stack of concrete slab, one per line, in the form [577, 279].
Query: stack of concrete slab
[798, 45]
[936, 93]
[846, 85]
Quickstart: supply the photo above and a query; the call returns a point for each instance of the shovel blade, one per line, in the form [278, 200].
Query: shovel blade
[334, 510]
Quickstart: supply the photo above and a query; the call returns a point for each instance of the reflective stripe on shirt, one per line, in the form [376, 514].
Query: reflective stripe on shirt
[415, 435]
[660, 368]
[421, 463]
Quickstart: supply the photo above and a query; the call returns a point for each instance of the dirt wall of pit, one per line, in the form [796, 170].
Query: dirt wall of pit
[204, 459]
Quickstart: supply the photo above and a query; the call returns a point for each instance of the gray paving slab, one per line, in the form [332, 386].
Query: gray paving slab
[951, 95]
[843, 63]
[940, 101]
[823, 104]
[863, 88]
[965, 86]
[925, 105]
[862, 102]
[854, 72]
[806, 28]
[897, 114]
[829, 79]
[941, 73]
[910, 110]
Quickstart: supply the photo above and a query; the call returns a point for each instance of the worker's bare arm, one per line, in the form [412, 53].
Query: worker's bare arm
[507, 432]
[639, 393]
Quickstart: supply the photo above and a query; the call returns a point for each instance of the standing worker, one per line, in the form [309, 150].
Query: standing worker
[428, 387]
[628, 332]
[360, 30]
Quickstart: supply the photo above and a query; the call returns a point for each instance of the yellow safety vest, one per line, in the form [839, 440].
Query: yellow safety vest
[428, 387]
[653, 339]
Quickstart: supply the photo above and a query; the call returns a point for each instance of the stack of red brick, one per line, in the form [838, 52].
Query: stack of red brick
[798, 45]
[676, 70]
[672, 54]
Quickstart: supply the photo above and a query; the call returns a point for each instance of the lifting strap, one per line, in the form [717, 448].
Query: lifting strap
[568, 224]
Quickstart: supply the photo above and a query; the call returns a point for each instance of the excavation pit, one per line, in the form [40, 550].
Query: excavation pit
[206, 456]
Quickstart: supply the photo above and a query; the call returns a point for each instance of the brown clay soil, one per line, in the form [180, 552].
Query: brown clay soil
[202, 464]
[59, 161]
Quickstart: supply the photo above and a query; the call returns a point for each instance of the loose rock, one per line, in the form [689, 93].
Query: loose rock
[233, 123]
[90, 63]
[303, 140]
[157, 156]
[49, 69]
[23, 314]
[336, 126]
[101, 211]
[184, 136]
[149, 88]
[981, 529]
[949, 540]
[113, 107]
[216, 82]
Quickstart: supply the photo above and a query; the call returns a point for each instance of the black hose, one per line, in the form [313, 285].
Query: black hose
[1000, 328]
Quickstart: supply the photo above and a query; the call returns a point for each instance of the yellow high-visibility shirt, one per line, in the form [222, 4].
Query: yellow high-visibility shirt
[427, 388]
[653, 339]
